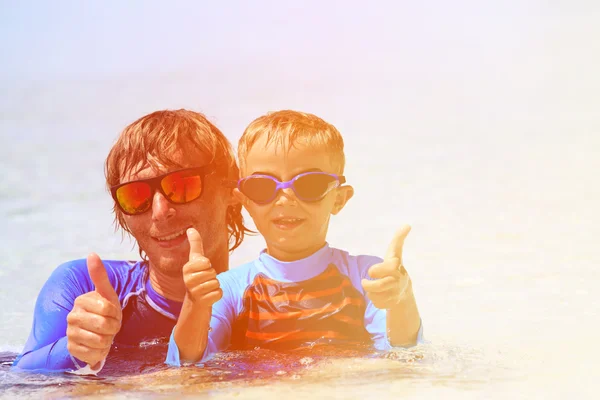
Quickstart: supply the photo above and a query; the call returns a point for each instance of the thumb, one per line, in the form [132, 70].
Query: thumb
[196, 248]
[99, 277]
[395, 248]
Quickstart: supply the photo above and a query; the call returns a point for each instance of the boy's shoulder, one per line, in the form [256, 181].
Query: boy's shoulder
[240, 275]
[350, 263]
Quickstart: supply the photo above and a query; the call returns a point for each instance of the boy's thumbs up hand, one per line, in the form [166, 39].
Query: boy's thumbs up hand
[199, 276]
[390, 281]
[95, 318]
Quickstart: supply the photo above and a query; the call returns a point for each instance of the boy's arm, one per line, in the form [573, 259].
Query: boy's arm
[391, 289]
[403, 320]
[190, 335]
[191, 332]
[211, 340]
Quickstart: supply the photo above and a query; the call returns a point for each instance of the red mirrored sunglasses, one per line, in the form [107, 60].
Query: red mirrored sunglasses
[178, 187]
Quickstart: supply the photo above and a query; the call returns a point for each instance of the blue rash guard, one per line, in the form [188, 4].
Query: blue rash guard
[285, 305]
[147, 316]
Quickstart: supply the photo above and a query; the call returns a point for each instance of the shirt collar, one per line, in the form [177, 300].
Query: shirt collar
[295, 271]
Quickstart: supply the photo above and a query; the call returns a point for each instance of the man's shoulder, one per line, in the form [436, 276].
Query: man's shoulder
[121, 273]
[116, 267]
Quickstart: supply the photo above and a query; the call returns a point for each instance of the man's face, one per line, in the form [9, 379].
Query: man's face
[161, 231]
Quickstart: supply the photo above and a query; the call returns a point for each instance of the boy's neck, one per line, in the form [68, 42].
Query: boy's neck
[284, 255]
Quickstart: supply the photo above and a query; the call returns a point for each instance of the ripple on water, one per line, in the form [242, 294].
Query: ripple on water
[349, 369]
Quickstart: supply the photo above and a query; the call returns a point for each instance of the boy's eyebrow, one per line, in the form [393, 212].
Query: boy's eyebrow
[298, 173]
[310, 170]
[264, 173]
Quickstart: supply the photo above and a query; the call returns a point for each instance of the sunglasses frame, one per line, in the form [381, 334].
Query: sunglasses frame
[155, 185]
[341, 179]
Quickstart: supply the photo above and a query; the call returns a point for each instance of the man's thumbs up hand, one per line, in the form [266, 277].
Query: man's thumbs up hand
[95, 318]
[99, 277]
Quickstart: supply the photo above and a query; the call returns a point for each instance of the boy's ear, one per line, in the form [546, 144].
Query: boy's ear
[232, 199]
[343, 194]
[239, 197]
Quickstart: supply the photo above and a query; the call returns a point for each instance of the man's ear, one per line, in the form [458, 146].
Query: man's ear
[343, 194]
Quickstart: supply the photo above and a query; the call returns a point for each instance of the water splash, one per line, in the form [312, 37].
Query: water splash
[141, 372]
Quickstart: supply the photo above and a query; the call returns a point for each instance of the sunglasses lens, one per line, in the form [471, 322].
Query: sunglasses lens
[182, 186]
[313, 186]
[135, 197]
[258, 189]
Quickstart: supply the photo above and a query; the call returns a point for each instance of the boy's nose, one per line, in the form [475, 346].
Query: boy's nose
[285, 197]
[161, 208]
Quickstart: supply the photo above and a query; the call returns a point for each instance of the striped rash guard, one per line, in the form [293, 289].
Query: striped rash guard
[285, 305]
[147, 316]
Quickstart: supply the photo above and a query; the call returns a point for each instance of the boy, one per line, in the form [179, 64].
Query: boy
[299, 291]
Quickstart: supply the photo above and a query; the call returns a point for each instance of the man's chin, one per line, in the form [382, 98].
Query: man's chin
[171, 266]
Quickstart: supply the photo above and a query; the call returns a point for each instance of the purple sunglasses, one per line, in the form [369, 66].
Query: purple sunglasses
[308, 186]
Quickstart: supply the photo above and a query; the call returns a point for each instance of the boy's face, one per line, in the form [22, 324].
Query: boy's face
[293, 229]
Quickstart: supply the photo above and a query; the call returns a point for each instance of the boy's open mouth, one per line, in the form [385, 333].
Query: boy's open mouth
[287, 223]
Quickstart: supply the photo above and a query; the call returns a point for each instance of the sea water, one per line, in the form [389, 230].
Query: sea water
[489, 149]
[502, 255]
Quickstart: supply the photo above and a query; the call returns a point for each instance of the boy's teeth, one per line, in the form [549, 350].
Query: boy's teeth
[173, 236]
[288, 220]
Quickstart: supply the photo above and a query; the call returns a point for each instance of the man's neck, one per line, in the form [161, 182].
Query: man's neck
[172, 286]
[168, 286]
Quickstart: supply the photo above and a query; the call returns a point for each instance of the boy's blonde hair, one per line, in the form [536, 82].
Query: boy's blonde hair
[287, 128]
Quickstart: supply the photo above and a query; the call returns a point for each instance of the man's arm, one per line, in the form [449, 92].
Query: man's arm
[46, 347]
[76, 318]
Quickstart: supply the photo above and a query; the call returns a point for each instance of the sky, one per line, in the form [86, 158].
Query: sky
[107, 39]
[432, 68]
[347, 47]
[471, 79]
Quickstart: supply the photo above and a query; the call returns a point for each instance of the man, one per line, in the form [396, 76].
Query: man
[170, 175]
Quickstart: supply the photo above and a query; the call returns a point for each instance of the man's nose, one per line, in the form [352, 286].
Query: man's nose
[161, 208]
